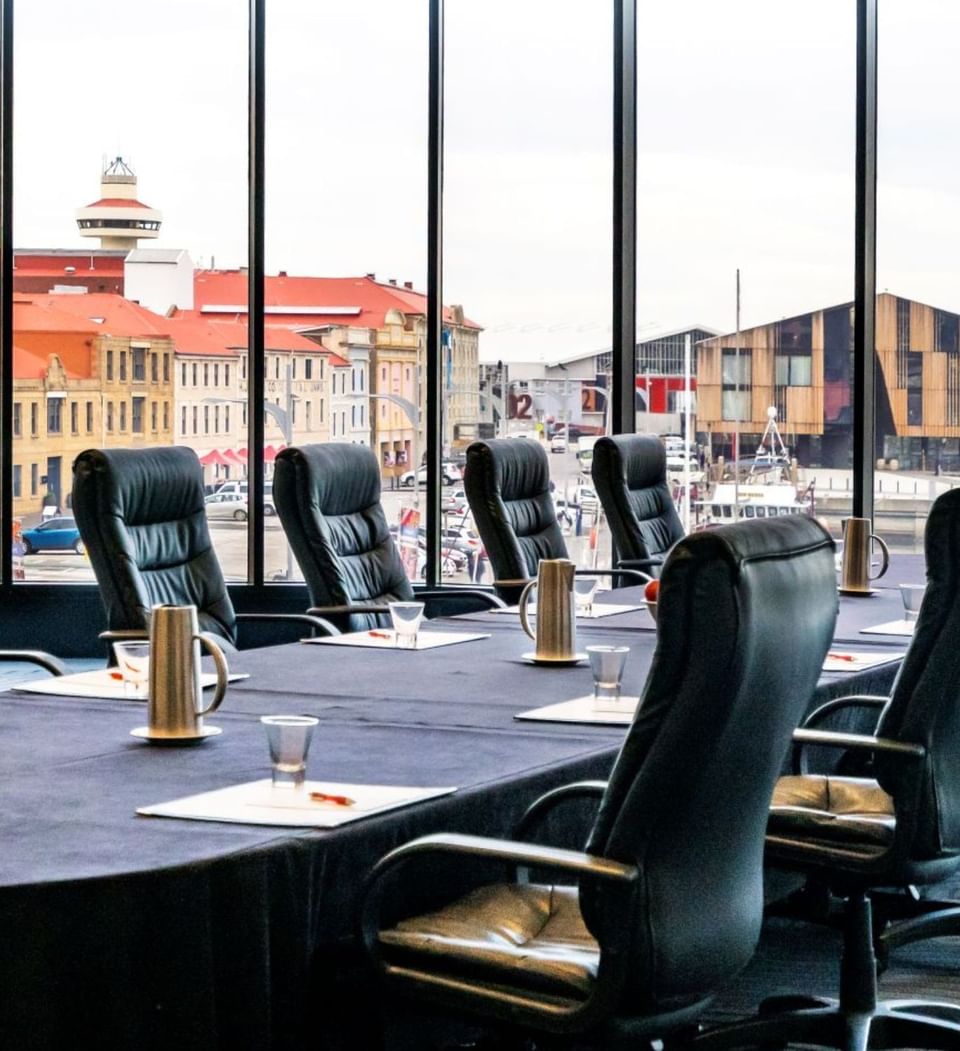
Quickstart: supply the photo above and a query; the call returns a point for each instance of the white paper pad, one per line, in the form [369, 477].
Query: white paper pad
[99, 683]
[384, 639]
[851, 660]
[259, 803]
[581, 710]
[903, 628]
[600, 609]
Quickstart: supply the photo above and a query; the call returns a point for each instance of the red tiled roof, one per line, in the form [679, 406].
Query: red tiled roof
[233, 334]
[55, 265]
[372, 298]
[103, 312]
[116, 202]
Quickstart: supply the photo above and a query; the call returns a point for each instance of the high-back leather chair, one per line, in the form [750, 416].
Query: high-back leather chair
[901, 827]
[665, 903]
[328, 500]
[630, 477]
[141, 515]
[507, 482]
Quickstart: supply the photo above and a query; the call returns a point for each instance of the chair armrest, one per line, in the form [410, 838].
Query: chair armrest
[627, 574]
[798, 760]
[574, 862]
[487, 597]
[539, 808]
[640, 563]
[520, 582]
[321, 625]
[46, 660]
[124, 634]
[861, 742]
[370, 607]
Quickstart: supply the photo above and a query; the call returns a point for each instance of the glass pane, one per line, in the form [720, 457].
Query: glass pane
[122, 198]
[346, 354]
[918, 404]
[745, 164]
[527, 248]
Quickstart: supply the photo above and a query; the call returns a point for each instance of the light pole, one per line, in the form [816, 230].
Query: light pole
[412, 412]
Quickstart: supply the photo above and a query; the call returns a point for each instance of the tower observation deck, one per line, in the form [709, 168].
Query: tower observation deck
[118, 218]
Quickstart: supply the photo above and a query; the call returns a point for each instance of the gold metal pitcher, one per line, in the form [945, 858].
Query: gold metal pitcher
[857, 548]
[556, 636]
[175, 707]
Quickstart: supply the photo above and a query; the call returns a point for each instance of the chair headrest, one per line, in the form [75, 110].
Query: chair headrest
[344, 477]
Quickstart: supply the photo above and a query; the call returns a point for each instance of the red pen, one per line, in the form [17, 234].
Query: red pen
[323, 797]
[842, 656]
[378, 634]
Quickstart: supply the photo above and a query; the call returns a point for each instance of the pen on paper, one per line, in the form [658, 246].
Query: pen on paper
[379, 634]
[841, 656]
[324, 797]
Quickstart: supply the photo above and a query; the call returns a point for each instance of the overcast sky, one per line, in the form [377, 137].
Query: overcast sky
[745, 139]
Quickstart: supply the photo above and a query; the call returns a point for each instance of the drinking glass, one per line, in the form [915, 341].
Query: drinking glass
[133, 663]
[289, 739]
[912, 597]
[406, 617]
[607, 663]
[584, 588]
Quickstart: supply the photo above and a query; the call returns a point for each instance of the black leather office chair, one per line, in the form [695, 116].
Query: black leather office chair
[141, 515]
[630, 477]
[328, 499]
[898, 828]
[507, 482]
[666, 901]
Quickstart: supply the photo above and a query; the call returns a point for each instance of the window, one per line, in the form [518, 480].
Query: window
[153, 416]
[17, 480]
[195, 374]
[216, 374]
[226, 418]
[123, 366]
[206, 374]
[293, 368]
[166, 368]
[206, 419]
[195, 419]
[308, 369]
[914, 388]
[308, 413]
[74, 417]
[34, 479]
[183, 374]
[110, 416]
[226, 374]
[216, 419]
[54, 415]
[34, 419]
[183, 419]
[737, 374]
[89, 417]
[136, 415]
[794, 370]
[154, 367]
[110, 365]
[17, 423]
[123, 416]
[166, 416]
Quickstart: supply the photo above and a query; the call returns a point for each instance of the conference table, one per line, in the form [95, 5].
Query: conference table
[119, 930]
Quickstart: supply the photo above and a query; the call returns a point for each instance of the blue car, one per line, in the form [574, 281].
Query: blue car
[56, 534]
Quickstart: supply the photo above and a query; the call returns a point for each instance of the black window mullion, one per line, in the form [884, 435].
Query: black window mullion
[623, 380]
[865, 262]
[434, 358]
[255, 364]
[6, 289]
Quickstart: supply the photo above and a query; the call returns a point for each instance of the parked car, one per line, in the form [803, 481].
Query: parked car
[558, 443]
[56, 534]
[455, 503]
[451, 473]
[234, 506]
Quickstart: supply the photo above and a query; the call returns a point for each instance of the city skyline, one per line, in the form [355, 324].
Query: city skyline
[730, 175]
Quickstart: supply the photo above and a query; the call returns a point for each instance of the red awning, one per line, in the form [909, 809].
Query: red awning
[236, 456]
[214, 457]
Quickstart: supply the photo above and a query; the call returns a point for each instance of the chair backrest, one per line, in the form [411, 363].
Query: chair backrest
[141, 515]
[507, 482]
[630, 477]
[924, 705]
[745, 617]
[328, 499]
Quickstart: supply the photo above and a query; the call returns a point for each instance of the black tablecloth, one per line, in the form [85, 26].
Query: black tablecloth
[123, 931]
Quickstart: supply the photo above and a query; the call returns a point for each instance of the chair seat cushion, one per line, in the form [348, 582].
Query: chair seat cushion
[525, 935]
[837, 811]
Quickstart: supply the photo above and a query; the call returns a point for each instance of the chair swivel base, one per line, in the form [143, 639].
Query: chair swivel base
[857, 1021]
[939, 924]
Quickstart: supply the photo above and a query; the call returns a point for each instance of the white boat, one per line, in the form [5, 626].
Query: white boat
[729, 502]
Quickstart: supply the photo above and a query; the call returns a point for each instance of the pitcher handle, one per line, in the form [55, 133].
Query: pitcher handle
[522, 605]
[220, 660]
[885, 551]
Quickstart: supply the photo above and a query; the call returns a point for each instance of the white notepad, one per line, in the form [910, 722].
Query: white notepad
[858, 660]
[385, 639]
[903, 628]
[259, 803]
[600, 609]
[581, 710]
[100, 683]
